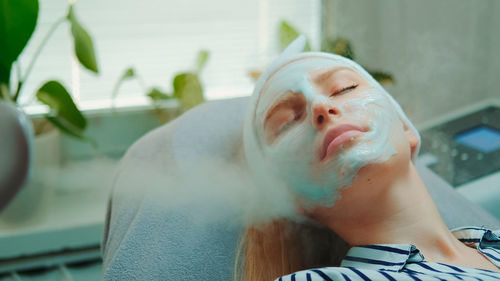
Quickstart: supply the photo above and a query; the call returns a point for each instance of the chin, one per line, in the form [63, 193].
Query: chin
[385, 170]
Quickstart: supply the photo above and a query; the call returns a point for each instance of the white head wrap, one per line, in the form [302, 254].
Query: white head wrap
[259, 165]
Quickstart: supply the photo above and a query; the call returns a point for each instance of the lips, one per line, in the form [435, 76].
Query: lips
[337, 136]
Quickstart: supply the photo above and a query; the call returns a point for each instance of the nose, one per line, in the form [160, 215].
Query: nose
[323, 114]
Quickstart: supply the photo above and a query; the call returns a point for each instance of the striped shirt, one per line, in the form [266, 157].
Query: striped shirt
[391, 262]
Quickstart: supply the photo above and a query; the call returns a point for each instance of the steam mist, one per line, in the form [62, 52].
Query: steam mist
[210, 191]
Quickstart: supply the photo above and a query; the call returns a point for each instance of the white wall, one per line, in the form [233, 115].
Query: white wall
[443, 54]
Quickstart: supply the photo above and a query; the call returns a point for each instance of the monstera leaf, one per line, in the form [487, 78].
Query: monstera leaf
[17, 23]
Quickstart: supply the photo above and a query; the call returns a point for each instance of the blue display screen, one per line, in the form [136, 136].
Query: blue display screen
[483, 138]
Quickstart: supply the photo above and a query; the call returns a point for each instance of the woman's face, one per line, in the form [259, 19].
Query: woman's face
[320, 123]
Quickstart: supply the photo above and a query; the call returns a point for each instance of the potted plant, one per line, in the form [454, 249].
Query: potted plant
[18, 19]
[187, 89]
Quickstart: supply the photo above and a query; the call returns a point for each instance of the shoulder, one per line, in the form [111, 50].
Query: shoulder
[473, 232]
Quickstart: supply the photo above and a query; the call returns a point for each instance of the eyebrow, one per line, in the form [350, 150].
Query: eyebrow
[329, 73]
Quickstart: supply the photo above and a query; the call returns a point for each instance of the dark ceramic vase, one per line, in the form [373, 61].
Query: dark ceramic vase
[16, 150]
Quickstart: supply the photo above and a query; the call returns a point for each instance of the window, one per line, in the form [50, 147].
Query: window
[160, 38]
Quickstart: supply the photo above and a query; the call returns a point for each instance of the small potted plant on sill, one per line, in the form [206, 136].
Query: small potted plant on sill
[187, 88]
[18, 19]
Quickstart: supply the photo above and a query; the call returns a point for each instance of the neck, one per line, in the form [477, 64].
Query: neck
[404, 213]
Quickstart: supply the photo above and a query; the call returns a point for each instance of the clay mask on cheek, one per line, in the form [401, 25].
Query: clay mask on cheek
[374, 146]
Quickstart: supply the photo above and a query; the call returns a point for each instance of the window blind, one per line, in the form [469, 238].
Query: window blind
[161, 38]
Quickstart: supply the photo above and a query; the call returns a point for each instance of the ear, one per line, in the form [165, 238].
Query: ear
[412, 139]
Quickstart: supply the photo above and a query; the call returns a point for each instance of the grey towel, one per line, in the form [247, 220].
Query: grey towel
[147, 240]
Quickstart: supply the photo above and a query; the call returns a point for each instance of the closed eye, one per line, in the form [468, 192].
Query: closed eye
[344, 90]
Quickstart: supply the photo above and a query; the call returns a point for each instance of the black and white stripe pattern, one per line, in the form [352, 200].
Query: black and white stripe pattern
[393, 262]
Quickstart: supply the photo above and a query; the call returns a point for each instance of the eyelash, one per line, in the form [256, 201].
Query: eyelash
[345, 90]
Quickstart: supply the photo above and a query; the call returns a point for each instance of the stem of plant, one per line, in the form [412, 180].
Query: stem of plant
[21, 82]
[4, 91]
[114, 93]
[18, 72]
[118, 84]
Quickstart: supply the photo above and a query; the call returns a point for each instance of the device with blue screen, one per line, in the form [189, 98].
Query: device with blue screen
[483, 138]
[465, 151]
[468, 147]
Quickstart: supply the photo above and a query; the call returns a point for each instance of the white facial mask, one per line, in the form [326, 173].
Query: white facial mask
[293, 159]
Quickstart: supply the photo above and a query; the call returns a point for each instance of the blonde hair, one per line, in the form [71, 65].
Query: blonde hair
[284, 246]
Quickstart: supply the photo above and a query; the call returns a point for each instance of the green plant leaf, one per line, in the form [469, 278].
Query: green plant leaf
[17, 22]
[84, 48]
[340, 46]
[156, 94]
[188, 89]
[65, 127]
[382, 77]
[287, 34]
[202, 60]
[69, 130]
[128, 73]
[53, 94]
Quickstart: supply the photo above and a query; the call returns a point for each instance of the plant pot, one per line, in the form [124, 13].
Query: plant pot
[16, 138]
[32, 203]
